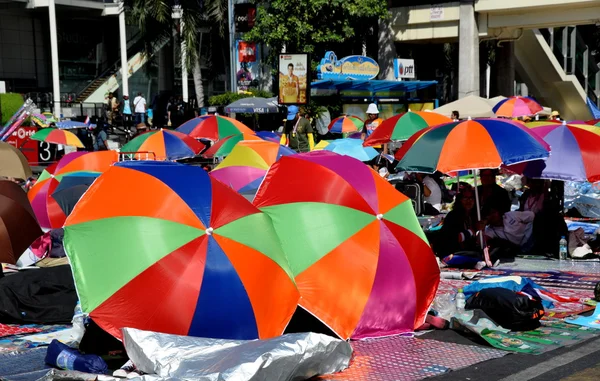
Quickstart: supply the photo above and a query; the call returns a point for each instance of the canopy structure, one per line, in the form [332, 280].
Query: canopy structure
[372, 86]
[472, 105]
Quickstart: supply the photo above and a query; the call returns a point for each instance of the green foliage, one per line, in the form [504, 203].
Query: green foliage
[229, 97]
[312, 26]
[9, 104]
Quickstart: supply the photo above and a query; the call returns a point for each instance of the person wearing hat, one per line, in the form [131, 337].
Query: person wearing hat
[373, 121]
[298, 133]
[555, 115]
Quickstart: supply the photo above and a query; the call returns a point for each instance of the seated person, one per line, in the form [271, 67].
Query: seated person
[431, 190]
[534, 197]
[511, 231]
[492, 193]
[460, 226]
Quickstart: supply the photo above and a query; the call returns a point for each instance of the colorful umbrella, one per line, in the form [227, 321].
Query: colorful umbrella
[353, 148]
[470, 144]
[358, 254]
[224, 146]
[187, 255]
[345, 124]
[13, 163]
[81, 165]
[247, 164]
[402, 126]
[574, 155]
[594, 122]
[213, 127]
[322, 144]
[517, 106]
[56, 136]
[39, 119]
[164, 144]
[18, 226]
[269, 136]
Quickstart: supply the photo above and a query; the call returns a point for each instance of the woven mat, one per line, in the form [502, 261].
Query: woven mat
[400, 358]
[27, 365]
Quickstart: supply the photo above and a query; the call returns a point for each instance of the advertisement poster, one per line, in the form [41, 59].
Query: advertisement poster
[247, 65]
[293, 79]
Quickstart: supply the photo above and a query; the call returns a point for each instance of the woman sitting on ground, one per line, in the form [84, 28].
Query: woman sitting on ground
[460, 225]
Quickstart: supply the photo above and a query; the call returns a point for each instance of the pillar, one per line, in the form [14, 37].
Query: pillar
[505, 69]
[54, 58]
[123, 43]
[468, 51]
[387, 49]
[184, 71]
[165, 68]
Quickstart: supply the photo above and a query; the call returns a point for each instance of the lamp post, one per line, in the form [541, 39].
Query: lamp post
[177, 14]
[54, 58]
[232, 60]
[123, 43]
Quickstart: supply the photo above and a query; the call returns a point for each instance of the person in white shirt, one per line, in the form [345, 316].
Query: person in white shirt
[515, 228]
[139, 104]
[431, 190]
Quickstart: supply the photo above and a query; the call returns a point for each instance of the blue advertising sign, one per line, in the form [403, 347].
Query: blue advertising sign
[351, 67]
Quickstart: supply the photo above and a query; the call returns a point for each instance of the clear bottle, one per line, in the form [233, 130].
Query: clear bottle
[460, 300]
[563, 251]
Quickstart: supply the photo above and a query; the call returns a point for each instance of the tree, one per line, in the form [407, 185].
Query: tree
[313, 26]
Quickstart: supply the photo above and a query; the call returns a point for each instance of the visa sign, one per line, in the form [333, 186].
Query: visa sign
[404, 68]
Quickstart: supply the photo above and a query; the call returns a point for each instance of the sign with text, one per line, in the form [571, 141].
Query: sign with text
[351, 67]
[244, 16]
[436, 13]
[247, 65]
[36, 152]
[293, 79]
[404, 68]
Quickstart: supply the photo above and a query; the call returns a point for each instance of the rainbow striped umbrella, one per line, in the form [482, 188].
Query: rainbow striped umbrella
[224, 146]
[269, 136]
[187, 255]
[165, 144]
[247, 164]
[594, 122]
[403, 126]
[56, 136]
[213, 127]
[517, 106]
[470, 144]
[345, 124]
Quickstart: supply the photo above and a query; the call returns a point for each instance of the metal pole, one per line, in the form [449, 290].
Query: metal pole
[54, 58]
[184, 72]
[123, 42]
[232, 59]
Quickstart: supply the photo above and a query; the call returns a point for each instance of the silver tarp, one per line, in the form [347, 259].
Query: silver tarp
[298, 356]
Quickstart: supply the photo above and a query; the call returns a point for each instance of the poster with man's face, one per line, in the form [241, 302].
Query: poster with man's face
[293, 79]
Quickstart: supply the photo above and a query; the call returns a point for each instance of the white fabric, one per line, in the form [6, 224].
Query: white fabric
[140, 104]
[435, 198]
[372, 109]
[517, 228]
[383, 172]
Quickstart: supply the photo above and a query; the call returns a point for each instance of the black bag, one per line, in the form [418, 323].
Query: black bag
[517, 311]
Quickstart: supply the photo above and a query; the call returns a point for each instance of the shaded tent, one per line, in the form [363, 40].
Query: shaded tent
[470, 106]
[18, 226]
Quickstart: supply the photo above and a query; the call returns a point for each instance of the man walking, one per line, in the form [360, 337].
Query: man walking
[298, 133]
[139, 104]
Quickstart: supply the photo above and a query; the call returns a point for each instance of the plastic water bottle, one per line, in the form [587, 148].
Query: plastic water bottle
[460, 300]
[78, 325]
[563, 250]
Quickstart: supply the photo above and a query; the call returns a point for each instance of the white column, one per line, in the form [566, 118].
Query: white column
[184, 71]
[232, 58]
[54, 58]
[468, 50]
[123, 42]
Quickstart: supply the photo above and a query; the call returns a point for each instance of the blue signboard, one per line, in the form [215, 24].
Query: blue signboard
[351, 67]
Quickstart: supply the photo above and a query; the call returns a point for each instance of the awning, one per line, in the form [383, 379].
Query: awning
[373, 86]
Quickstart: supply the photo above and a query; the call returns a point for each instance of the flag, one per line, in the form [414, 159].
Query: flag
[87, 120]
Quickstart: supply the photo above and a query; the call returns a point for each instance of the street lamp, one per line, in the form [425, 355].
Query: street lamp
[177, 14]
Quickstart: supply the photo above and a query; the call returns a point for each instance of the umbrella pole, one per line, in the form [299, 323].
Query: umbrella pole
[475, 174]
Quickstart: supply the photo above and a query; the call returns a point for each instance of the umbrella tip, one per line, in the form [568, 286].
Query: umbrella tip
[209, 231]
[380, 217]
[469, 118]
[564, 122]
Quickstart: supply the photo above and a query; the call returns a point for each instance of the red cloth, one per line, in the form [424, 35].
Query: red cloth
[42, 245]
[11, 330]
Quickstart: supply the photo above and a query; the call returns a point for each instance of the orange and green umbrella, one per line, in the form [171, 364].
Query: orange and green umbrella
[164, 144]
[517, 106]
[360, 259]
[56, 136]
[187, 255]
[402, 126]
[224, 146]
[345, 124]
[213, 127]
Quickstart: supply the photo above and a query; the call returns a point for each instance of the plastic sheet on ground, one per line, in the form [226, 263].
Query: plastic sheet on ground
[297, 356]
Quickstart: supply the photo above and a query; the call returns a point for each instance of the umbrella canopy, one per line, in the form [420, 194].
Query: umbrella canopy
[574, 154]
[224, 146]
[254, 105]
[517, 106]
[39, 120]
[165, 144]
[322, 144]
[358, 254]
[18, 226]
[470, 144]
[201, 262]
[213, 127]
[345, 124]
[56, 136]
[247, 164]
[74, 168]
[353, 148]
[469, 106]
[13, 163]
[70, 124]
[403, 126]
[594, 122]
[269, 136]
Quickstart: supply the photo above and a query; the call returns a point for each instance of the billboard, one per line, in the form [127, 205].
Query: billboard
[293, 79]
[404, 68]
[246, 65]
[347, 68]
